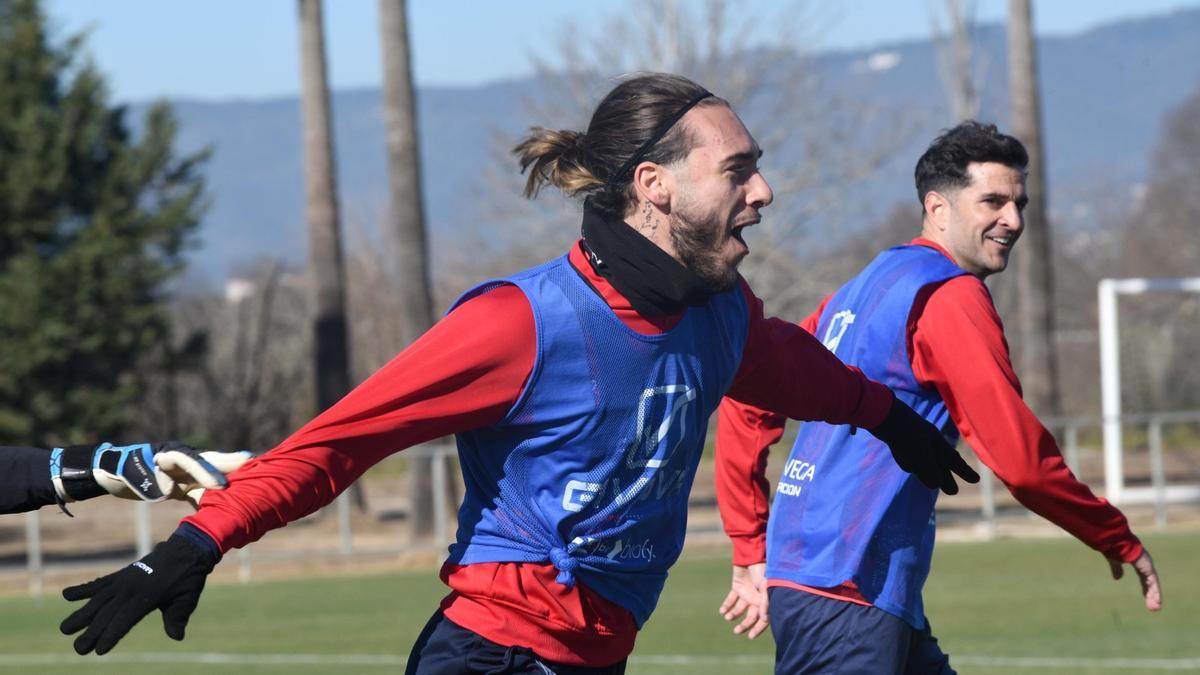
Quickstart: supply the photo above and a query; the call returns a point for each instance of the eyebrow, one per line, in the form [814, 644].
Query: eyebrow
[1023, 199]
[754, 155]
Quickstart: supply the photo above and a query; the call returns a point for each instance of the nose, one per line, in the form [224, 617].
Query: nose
[759, 193]
[1012, 217]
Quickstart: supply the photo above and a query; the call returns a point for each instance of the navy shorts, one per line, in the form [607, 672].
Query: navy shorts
[815, 634]
[445, 648]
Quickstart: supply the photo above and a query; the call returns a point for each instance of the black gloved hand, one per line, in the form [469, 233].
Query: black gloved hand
[920, 449]
[169, 578]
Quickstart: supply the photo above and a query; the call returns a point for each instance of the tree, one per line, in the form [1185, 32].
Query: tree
[1160, 239]
[1161, 338]
[1034, 268]
[819, 144]
[235, 376]
[330, 346]
[93, 224]
[406, 223]
[956, 60]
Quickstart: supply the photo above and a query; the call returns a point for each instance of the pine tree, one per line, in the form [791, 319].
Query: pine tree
[93, 223]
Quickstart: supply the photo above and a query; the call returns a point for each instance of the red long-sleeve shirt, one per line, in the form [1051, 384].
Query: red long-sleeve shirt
[466, 373]
[957, 346]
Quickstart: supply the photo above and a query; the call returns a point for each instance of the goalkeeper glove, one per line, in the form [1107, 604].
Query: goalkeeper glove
[147, 472]
[169, 578]
[920, 449]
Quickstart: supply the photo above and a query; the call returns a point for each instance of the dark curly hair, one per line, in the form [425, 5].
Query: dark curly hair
[944, 164]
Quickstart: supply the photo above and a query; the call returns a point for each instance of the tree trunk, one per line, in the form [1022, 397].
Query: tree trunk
[326, 276]
[957, 67]
[405, 229]
[1034, 265]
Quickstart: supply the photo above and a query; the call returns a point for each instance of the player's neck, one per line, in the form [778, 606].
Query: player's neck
[655, 283]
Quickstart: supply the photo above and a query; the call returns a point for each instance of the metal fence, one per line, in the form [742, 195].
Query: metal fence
[37, 567]
[1150, 485]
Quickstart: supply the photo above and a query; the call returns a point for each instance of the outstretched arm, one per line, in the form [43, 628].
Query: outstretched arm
[466, 372]
[958, 346]
[786, 370]
[32, 477]
[24, 479]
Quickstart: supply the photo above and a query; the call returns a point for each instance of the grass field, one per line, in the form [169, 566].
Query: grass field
[1019, 606]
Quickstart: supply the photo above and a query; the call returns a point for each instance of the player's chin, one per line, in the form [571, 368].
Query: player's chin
[728, 280]
[995, 264]
[733, 255]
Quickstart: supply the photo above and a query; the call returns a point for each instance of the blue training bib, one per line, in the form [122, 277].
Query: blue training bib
[843, 510]
[592, 467]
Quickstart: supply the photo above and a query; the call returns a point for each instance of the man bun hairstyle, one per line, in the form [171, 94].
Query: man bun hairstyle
[637, 121]
[943, 167]
[554, 157]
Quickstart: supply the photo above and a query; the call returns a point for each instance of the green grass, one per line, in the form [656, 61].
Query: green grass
[1045, 598]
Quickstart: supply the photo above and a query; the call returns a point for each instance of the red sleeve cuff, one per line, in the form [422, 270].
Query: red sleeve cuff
[1129, 550]
[220, 536]
[877, 402]
[749, 549]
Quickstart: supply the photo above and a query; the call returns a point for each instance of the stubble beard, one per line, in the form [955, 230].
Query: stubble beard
[698, 243]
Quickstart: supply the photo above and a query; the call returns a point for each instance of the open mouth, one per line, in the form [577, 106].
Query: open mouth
[1006, 242]
[736, 235]
[738, 230]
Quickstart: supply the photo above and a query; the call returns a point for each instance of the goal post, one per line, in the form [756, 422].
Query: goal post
[1110, 379]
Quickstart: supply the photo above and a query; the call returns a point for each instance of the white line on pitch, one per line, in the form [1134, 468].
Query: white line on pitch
[1043, 662]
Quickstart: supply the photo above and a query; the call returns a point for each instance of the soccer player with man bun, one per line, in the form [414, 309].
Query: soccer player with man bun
[580, 392]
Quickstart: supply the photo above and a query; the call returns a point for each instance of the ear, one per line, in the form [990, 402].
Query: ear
[652, 182]
[937, 209]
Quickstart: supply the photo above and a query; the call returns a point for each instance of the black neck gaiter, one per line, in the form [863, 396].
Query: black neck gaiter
[654, 283]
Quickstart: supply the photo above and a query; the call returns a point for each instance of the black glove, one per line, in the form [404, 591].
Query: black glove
[169, 578]
[920, 449]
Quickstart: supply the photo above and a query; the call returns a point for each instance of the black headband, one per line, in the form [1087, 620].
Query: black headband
[661, 131]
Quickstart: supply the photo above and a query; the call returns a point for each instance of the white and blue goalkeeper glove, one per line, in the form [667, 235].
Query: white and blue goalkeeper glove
[146, 472]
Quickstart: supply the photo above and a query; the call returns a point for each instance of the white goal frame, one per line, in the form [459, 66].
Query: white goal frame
[1110, 384]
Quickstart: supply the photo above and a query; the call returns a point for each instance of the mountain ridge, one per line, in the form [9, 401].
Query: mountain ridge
[1105, 93]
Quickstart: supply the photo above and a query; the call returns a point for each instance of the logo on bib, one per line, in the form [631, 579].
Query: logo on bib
[654, 443]
[795, 472]
[837, 328]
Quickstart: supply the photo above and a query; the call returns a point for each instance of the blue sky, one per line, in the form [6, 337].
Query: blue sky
[221, 49]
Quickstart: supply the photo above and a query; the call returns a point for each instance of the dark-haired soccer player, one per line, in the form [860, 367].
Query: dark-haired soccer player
[849, 539]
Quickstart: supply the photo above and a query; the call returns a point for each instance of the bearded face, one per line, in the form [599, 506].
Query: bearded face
[700, 245]
[717, 192]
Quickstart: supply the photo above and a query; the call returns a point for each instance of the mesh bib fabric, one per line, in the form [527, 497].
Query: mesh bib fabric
[843, 510]
[591, 468]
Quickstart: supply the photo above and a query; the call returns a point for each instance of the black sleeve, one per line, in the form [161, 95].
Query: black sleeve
[24, 479]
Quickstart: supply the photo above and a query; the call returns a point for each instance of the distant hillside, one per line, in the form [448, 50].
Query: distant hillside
[1104, 96]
